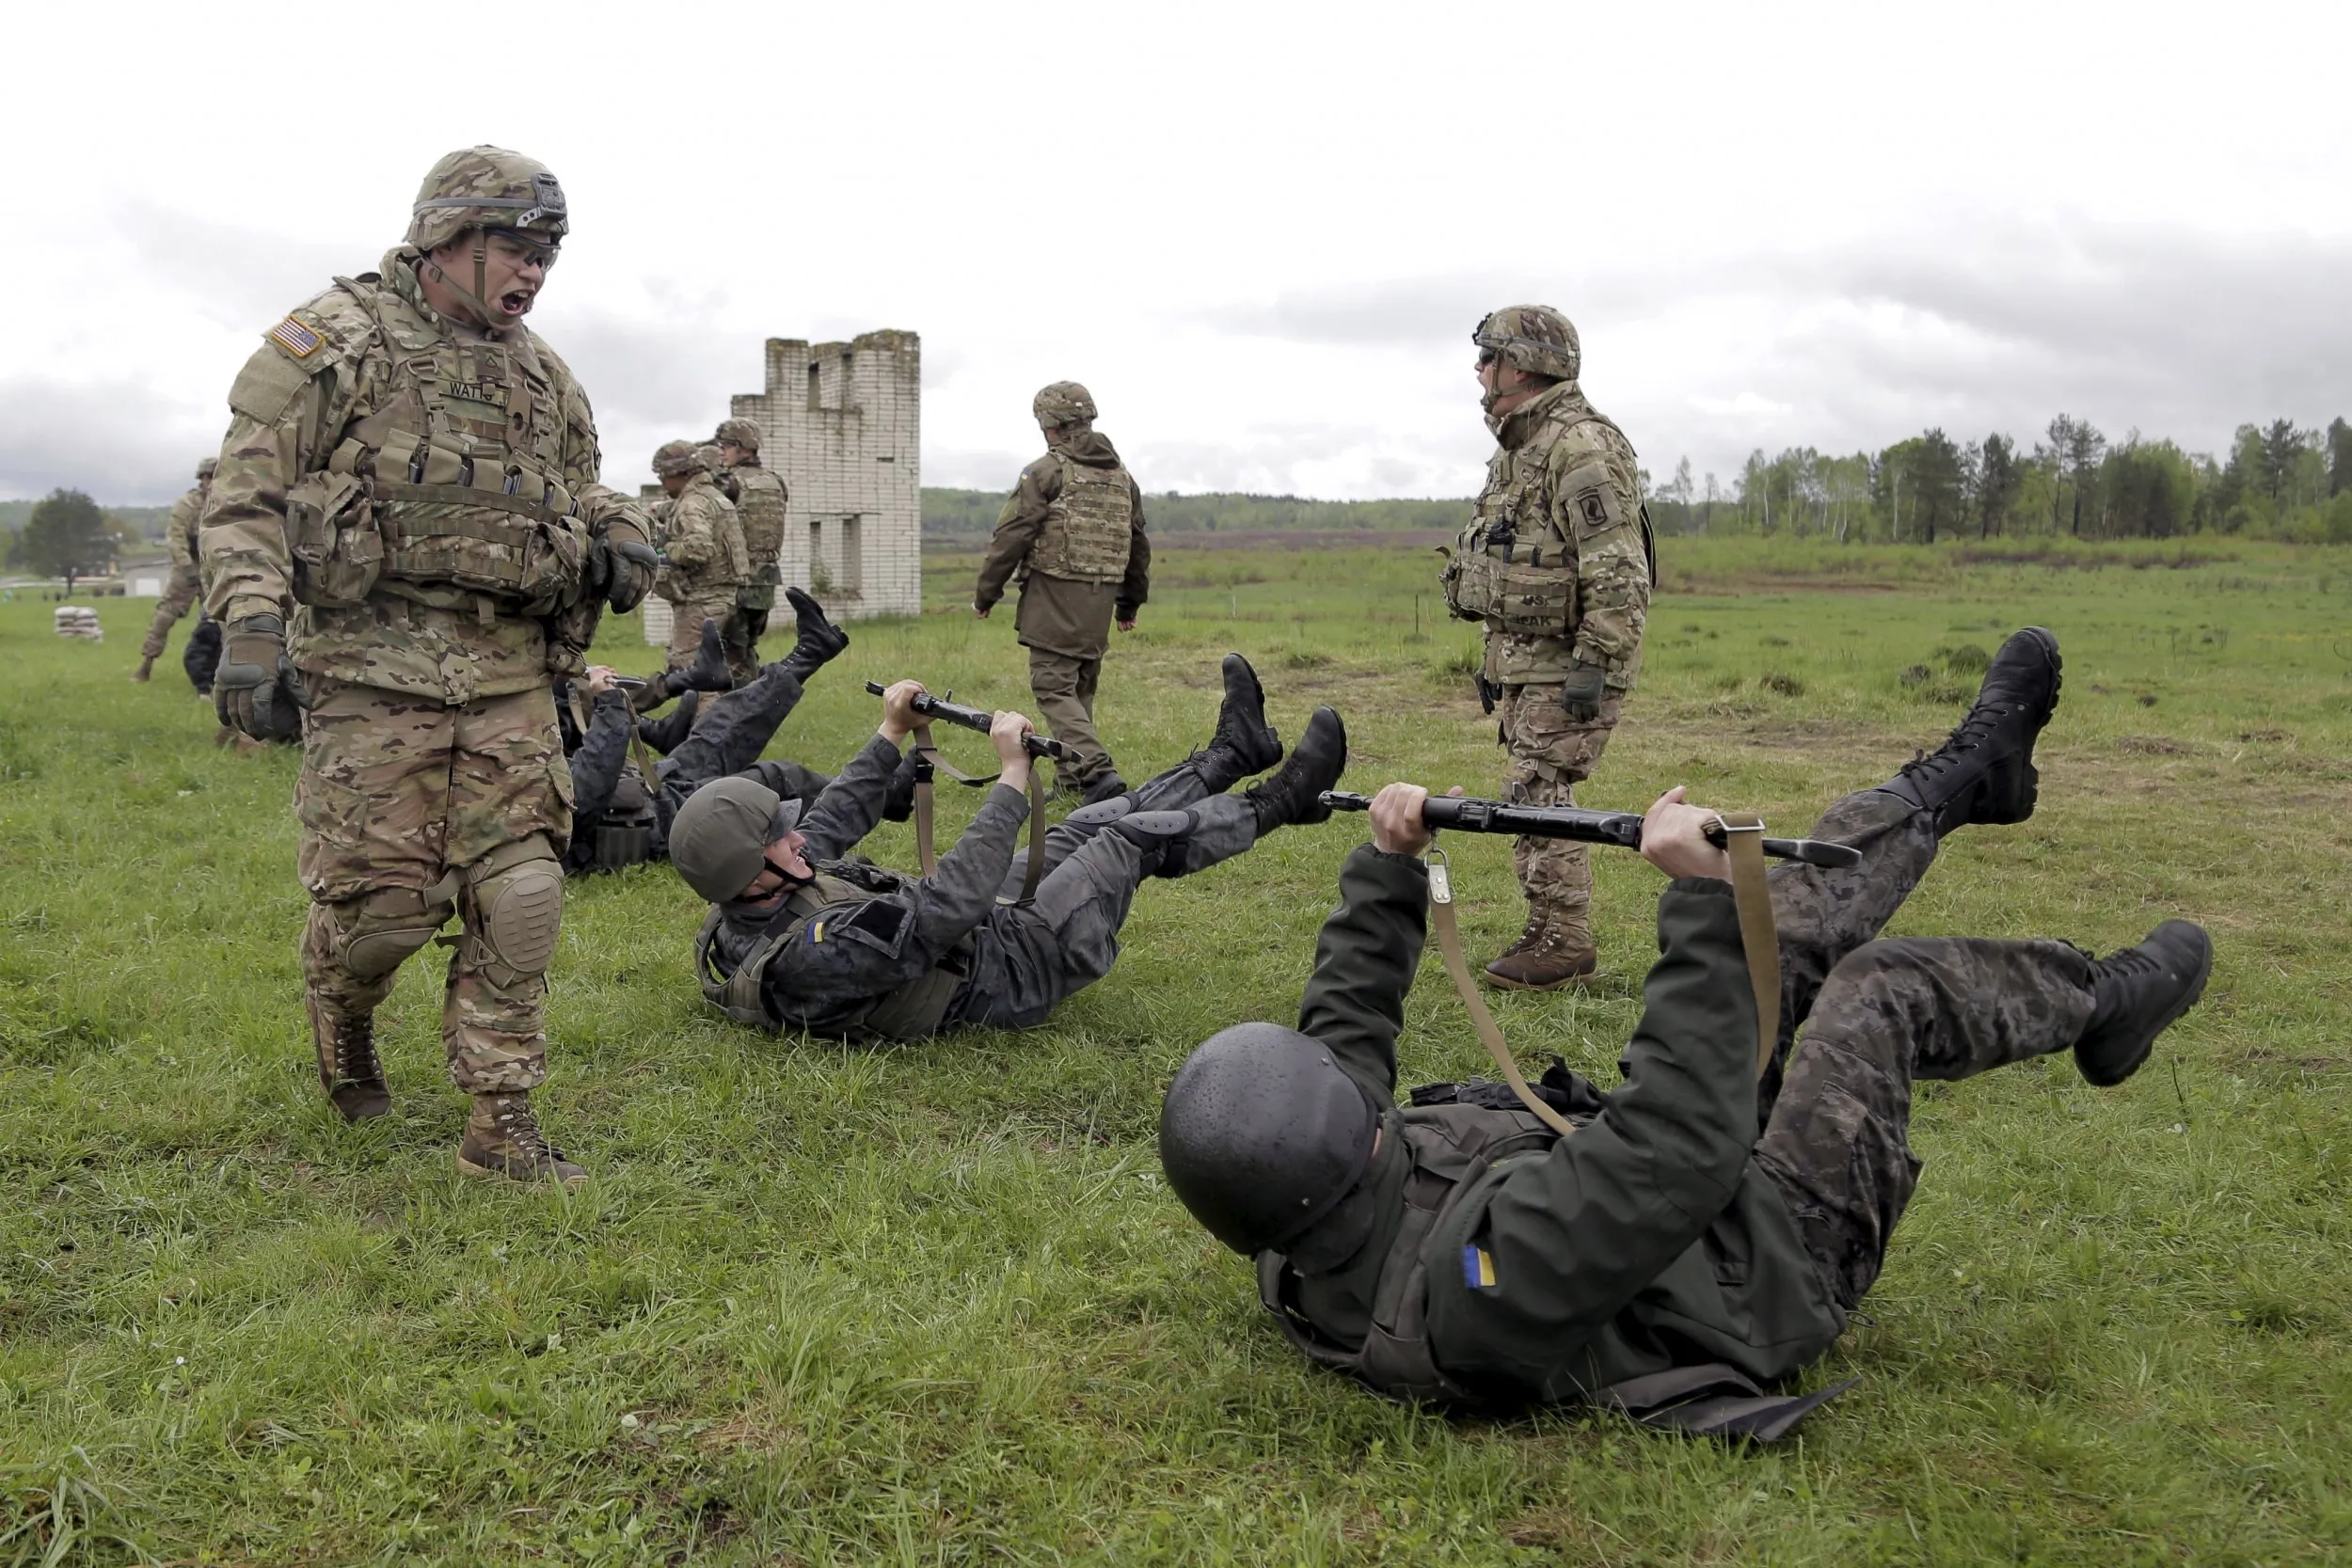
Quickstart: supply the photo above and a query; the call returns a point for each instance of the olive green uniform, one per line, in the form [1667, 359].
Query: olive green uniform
[1556, 564]
[705, 567]
[426, 492]
[760, 504]
[1071, 534]
[187, 580]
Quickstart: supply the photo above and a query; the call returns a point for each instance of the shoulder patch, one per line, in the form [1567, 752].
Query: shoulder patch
[296, 339]
[268, 385]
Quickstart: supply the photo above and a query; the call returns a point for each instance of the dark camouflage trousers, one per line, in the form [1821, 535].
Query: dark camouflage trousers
[1032, 956]
[1873, 1015]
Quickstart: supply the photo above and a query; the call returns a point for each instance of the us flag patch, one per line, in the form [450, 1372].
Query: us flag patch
[296, 339]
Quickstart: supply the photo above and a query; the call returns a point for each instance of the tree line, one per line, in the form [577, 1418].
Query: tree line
[2279, 481]
[972, 513]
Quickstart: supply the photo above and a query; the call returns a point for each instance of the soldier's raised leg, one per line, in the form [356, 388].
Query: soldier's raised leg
[1551, 753]
[509, 823]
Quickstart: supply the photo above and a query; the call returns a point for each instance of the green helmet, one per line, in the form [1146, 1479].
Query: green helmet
[739, 433]
[487, 187]
[679, 457]
[1063, 403]
[1535, 338]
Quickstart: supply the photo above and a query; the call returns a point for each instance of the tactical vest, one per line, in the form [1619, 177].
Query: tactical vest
[453, 484]
[1090, 527]
[762, 511]
[1515, 562]
[728, 568]
[1454, 1148]
[838, 907]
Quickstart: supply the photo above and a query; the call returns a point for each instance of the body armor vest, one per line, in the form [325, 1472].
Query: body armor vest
[731, 960]
[1090, 525]
[454, 482]
[1513, 563]
[1454, 1148]
[761, 508]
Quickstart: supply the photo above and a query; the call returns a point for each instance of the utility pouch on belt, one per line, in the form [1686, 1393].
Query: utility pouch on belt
[756, 595]
[332, 538]
[620, 846]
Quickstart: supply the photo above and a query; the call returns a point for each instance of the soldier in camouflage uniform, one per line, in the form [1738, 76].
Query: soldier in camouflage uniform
[1557, 565]
[417, 470]
[760, 500]
[1072, 535]
[187, 580]
[1701, 1235]
[704, 566]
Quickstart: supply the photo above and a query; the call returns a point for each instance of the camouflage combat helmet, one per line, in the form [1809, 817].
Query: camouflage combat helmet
[1535, 338]
[487, 187]
[1063, 403]
[207, 468]
[738, 433]
[679, 457]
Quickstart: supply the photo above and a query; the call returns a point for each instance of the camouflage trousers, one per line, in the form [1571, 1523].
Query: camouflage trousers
[1551, 753]
[178, 595]
[411, 812]
[1861, 1017]
[1064, 688]
[1033, 955]
[742, 632]
[686, 627]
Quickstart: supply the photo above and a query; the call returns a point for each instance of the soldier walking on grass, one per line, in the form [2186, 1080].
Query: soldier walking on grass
[417, 470]
[1704, 1231]
[1557, 563]
[1072, 535]
[187, 580]
[705, 565]
[760, 503]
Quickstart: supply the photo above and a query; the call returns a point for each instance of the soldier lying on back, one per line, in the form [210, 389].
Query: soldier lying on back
[620, 815]
[802, 937]
[1666, 1257]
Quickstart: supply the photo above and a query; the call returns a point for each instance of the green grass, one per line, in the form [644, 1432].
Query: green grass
[934, 1304]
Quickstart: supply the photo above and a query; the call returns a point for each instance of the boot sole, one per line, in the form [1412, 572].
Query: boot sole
[1501, 983]
[366, 1110]
[494, 1173]
[2113, 1075]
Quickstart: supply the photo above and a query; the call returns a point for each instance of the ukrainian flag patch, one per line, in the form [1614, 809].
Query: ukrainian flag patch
[1478, 1270]
[296, 339]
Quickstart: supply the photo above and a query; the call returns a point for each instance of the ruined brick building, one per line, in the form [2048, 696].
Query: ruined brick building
[841, 425]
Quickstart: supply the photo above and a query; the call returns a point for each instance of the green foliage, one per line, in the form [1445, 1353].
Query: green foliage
[933, 1304]
[66, 532]
[951, 514]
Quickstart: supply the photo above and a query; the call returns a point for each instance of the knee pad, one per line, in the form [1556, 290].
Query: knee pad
[521, 906]
[1161, 836]
[1103, 813]
[378, 932]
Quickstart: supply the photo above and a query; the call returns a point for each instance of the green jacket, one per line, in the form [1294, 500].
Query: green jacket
[1648, 1240]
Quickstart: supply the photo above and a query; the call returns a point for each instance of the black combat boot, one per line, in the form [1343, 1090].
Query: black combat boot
[1107, 785]
[1289, 795]
[1984, 773]
[707, 673]
[1244, 743]
[666, 734]
[348, 1070]
[820, 641]
[2141, 991]
[503, 1138]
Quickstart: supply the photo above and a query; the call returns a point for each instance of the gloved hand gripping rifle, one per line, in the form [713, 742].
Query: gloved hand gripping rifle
[1740, 833]
[928, 760]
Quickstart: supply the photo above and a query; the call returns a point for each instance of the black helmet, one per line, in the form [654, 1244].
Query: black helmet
[1262, 1135]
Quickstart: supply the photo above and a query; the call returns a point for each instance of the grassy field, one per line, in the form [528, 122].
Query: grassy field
[933, 1304]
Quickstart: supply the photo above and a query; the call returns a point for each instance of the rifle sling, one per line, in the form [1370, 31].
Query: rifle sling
[1743, 838]
[926, 844]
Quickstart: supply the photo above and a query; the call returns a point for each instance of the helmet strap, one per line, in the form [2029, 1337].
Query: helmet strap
[473, 299]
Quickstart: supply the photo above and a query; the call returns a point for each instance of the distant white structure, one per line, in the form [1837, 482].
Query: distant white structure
[841, 425]
[144, 587]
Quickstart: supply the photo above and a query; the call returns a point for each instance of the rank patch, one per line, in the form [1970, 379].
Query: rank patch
[296, 339]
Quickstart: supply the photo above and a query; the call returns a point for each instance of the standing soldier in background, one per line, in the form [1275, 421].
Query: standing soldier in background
[759, 501]
[417, 471]
[1557, 564]
[187, 580]
[1071, 534]
[704, 566]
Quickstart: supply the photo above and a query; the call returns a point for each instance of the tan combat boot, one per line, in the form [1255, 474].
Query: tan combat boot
[146, 669]
[502, 1139]
[1551, 953]
[348, 1070]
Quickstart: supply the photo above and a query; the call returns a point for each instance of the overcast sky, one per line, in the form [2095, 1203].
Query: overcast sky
[1261, 233]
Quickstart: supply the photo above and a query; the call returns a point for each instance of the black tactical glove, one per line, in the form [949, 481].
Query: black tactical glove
[245, 688]
[1583, 691]
[627, 569]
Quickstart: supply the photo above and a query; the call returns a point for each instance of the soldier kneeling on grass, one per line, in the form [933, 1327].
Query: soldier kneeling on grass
[1665, 1258]
[802, 937]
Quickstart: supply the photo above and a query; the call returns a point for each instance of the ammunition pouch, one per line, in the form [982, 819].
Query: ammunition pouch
[1526, 590]
[332, 541]
[621, 846]
[756, 595]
